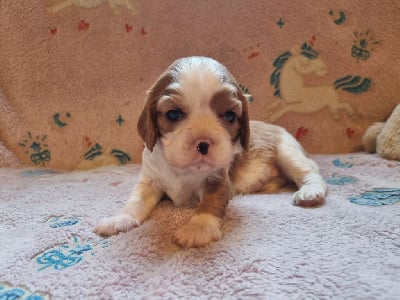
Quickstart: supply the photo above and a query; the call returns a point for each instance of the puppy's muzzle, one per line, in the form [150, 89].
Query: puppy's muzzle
[202, 148]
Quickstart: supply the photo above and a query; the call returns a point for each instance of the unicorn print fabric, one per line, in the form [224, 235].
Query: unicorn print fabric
[287, 78]
[325, 71]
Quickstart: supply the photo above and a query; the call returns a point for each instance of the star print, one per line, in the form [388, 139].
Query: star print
[280, 23]
[120, 120]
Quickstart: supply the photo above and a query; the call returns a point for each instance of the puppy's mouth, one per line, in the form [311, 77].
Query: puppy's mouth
[197, 165]
[201, 167]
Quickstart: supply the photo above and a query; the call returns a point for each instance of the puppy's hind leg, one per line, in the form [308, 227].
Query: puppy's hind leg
[302, 170]
[145, 197]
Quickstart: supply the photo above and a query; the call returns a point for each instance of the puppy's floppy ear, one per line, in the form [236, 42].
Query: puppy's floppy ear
[147, 124]
[244, 118]
[244, 121]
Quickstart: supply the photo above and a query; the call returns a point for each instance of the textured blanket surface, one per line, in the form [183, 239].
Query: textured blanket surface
[348, 248]
[74, 73]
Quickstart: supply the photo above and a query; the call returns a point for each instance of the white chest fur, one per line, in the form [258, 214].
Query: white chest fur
[183, 188]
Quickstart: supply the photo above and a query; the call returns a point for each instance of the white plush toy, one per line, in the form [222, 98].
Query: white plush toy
[384, 138]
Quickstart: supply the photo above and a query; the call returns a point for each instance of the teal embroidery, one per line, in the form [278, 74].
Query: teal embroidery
[12, 293]
[97, 150]
[340, 19]
[93, 152]
[353, 84]
[280, 23]
[70, 254]
[121, 156]
[276, 74]
[57, 222]
[307, 51]
[58, 260]
[247, 92]
[37, 173]
[377, 197]
[363, 45]
[120, 120]
[38, 154]
[34, 297]
[338, 163]
[341, 180]
[58, 122]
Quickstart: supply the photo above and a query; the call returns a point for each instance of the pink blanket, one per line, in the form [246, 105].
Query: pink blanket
[73, 74]
[271, 249]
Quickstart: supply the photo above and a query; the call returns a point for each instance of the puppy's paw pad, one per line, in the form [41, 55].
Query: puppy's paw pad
[309, 195]
[114, 225]
[197, 235]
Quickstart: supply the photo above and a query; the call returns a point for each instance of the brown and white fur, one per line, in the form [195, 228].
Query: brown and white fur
[201, 150]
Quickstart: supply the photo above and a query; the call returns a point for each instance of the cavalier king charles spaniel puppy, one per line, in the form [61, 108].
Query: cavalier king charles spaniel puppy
[201, 150]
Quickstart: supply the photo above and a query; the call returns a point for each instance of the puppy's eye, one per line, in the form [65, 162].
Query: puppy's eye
[229, 116]
[174, 115]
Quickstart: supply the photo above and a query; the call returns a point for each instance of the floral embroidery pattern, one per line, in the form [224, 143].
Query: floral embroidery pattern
[57, 222]
[363, 45]
[36, 147]
[8, 292]
[67, 255]
[377, 197]
[341, 180]
[340, 164]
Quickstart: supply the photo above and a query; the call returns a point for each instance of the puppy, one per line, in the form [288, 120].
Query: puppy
[201, 150]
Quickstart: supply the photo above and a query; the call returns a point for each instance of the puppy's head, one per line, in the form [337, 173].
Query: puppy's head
[198, 114]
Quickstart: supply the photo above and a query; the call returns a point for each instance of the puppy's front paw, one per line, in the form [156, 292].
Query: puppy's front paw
[199, 232]
[114, 225]
[309, 195]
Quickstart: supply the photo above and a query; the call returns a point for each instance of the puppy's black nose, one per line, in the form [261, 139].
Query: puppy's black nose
[202, 148]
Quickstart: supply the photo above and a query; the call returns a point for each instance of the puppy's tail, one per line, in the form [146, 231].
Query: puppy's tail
[370, 136]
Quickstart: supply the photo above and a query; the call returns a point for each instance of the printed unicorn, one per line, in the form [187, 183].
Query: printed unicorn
[287, 78]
